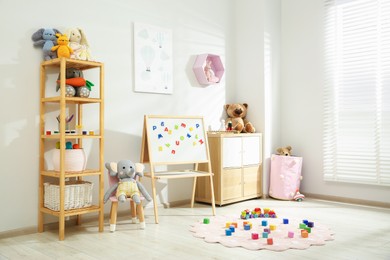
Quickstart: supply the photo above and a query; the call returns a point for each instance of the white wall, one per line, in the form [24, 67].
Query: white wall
[302, 100]
[109, 27]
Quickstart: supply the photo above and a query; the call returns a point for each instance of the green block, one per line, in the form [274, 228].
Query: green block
[308, 229]
[206, 221]
[302, 226]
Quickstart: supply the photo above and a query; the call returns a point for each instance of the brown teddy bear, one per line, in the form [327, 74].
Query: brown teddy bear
[236, 117]
[286, 151]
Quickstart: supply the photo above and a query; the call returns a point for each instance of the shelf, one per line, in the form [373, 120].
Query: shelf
[71, 63]
[70, 136]
[47, 136]
[216, 66]
[72, 100]
[56, 174]
[72, 212]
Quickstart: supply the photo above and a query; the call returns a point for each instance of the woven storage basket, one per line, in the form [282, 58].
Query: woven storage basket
[78, 194]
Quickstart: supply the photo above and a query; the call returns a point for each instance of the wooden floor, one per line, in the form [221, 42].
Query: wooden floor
[360, 233]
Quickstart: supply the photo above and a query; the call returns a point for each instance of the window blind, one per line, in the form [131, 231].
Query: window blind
[356, 144]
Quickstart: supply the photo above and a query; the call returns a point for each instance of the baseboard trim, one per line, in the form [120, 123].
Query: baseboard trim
[348, 200]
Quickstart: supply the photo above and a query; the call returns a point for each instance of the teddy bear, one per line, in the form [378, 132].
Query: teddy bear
[63, 50]
[46, 38]
[286, 151]
[236, 118]
[128, 186]
[79, 44]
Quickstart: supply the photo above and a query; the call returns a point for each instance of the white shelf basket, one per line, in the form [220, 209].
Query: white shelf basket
[78, 194]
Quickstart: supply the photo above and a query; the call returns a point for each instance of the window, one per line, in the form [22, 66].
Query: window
[357, 91]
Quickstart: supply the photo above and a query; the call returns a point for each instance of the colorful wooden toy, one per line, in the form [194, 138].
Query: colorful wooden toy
[255, 236]
[265, 234]
[272, 227]
[48, 132]
[302, 226]
[206, 221]
[310, 224]
[228, 232]
[270, 241]
[285, 221]
[232, 228]
[264, 223]
[247, 227]
[228, 224]
[308, 229]
[304, 233]
[290, 234]
[267, 230]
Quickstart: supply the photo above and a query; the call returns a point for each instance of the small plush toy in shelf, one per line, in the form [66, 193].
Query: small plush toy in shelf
[62, 48]
[79, 44]
[46, 38]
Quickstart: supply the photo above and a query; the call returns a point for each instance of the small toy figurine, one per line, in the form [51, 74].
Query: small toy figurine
[298, 196]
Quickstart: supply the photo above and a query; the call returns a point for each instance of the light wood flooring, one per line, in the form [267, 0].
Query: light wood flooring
[360, 233]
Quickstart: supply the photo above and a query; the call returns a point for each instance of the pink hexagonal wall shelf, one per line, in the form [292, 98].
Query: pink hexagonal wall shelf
[208, 69]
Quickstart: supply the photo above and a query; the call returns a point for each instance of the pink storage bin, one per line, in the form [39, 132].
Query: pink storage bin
[285, 176]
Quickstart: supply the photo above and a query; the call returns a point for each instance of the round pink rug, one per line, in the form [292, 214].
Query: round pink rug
[276, 234]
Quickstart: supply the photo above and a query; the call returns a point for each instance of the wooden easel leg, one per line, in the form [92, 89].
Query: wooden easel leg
[154, 200]
[113, 214]
[193, 192]
[212, 194]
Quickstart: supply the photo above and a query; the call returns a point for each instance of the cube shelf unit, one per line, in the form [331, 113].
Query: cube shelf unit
[216, 66]
[60, 65]
[236, 161]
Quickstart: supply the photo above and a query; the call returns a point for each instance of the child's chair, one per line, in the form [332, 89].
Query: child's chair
[134, 208]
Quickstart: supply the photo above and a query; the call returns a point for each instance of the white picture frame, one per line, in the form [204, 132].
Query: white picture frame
[152, 59]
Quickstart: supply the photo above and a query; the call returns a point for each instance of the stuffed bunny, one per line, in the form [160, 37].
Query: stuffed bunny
[127, 185]
[46, 38]
[78, 42]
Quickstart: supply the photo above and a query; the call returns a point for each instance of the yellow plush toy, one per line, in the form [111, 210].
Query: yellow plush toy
[63, 50]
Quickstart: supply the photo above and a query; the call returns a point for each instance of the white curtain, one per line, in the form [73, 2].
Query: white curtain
[357, 91]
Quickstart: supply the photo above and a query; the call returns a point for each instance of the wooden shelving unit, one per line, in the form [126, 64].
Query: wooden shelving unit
[60, 65]
[236, 162]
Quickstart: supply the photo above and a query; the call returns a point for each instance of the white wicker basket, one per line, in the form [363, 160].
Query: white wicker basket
[78, 194]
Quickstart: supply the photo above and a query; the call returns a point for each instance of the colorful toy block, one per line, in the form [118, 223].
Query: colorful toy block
[264, 223]
[267, 230]
[304, 233]
[305, 221]
[302, 226]
[232, 228]
[206, 221]
[272, 227]
[255, 236]
[290, 234]
[285, 221]
[270, 241]
[308, 229]
[247, 227]
[228, 232]
[228, 224]
[310, 224]
[265, 234]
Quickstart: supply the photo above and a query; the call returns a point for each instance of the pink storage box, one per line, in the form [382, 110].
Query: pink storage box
[285, 176]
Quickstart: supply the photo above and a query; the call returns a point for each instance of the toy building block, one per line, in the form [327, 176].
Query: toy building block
[228, 232]
[228, 224]
[272, 227]
[285, 221]
[302, 226]
[247, 227]
[310, 224]
[270, 241]
[304, 233]
[255, 236]
[265, 234]
[290, 234]
[206, 221]
[264, 223]
[232, 228]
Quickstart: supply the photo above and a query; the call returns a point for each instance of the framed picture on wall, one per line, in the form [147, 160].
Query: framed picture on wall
[152, 59]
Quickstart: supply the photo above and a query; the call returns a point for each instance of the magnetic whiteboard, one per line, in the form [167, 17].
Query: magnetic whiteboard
[175, 140]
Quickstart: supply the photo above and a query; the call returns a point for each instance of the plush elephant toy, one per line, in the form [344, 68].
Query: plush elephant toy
[127, 185]
[46, 38]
